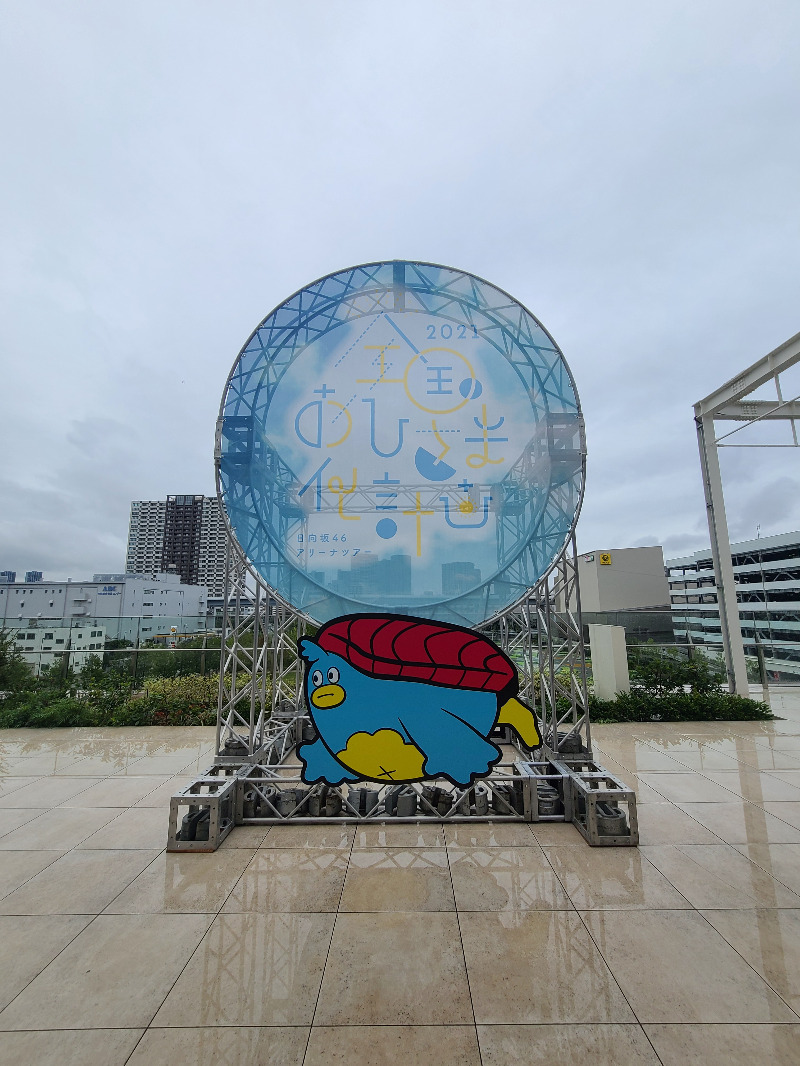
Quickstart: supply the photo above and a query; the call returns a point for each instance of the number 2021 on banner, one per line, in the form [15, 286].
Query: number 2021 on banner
[445, 332]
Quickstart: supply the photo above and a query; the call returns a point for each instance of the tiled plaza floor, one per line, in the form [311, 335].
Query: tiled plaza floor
[405, 944]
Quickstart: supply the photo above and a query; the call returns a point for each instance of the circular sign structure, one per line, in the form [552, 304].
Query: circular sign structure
[401, 437]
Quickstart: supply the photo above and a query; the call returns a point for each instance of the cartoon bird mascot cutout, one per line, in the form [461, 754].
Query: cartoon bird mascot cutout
[399, 699]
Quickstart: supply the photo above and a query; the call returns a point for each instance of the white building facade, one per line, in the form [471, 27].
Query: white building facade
[44, 645]
[767, 579]
[127, 606]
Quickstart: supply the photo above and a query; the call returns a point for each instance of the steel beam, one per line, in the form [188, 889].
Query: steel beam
[735, 663]
[779, 360]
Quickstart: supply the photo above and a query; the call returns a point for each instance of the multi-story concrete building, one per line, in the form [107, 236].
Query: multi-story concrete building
[767, 575]
[146, 537]
[130, 606]
[44, 645]
[185, 535]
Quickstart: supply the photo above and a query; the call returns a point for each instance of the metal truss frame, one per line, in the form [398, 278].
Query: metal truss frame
[729, 403]
[256, 780]
[261, 719]
[543, 636]
[260, 673]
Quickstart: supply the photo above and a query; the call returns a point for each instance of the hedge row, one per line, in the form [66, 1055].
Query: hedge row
[187, 700]
[710, 706]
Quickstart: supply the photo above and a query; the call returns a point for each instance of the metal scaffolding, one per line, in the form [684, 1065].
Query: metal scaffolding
[256, 779]
[729, 404]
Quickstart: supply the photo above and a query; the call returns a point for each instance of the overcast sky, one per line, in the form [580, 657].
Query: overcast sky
[173, 170]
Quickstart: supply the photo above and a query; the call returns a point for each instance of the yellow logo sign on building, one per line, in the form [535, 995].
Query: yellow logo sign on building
[605, 558]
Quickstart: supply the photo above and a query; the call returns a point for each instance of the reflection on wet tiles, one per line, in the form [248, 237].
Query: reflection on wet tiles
[787, 742]
[791, 777]
[163, 765]
[40, 765]
[18, 867]
[116, 792]
[290, 880]
[113, 974]
[687, 787]
[12, 819]
[664, 823]
[782, 861]
[47, 792]
[612, 878]
[442, 1045]
[278, 1045]
[364, 985]
[80, 882]
[398, 879]
[557, 834]
[707, 760]
[547, 1045]
[161, 795]
[29, 944]
[400, 835]
[786, 811]
[538, 967]
[245, 836]
[741, 822]
[726, 1045]
[500, 879]
[140, 827]
[310, 836]
[13, 784]
[758, 757]
[641, 757]
[673, 967]
[770, 941]
[58, 829]
[88, 1047]
[644, 793]
[754, 787]
[718, 876]
[183, 883]
[97, 765]
[28, 743]
[252, 969]
[491, 835]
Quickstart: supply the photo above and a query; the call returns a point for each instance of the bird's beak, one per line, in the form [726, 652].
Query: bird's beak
[328, 696]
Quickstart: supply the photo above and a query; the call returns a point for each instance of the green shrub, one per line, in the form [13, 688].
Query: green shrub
[714, 705]
[38, 712]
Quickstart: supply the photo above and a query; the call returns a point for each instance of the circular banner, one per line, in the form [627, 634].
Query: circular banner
[401, 437]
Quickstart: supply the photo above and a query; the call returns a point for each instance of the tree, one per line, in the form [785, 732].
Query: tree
[15, 672]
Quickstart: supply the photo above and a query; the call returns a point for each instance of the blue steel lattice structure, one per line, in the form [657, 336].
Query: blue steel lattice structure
[391, 418]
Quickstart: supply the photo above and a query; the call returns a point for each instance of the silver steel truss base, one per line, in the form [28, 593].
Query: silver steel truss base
[255, 779]
[528, 787]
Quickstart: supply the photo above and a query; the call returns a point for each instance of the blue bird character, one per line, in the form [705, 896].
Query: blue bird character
[397, 699]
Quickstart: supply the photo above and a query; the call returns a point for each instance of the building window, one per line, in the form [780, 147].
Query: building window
[48, 636]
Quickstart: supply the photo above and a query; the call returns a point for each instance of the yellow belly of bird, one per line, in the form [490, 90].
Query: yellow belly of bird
[382, 756]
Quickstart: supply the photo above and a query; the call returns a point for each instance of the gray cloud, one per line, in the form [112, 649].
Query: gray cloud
[174, 171]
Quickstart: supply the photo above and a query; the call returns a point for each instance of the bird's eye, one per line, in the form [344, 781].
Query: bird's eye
[333, 675]
[316, 678]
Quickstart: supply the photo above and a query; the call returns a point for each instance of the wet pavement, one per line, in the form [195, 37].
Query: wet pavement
[491, 944]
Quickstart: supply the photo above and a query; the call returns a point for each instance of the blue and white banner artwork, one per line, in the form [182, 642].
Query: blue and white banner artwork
[401, 437]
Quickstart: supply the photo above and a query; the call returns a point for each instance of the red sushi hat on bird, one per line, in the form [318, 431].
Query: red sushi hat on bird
[401, 648]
